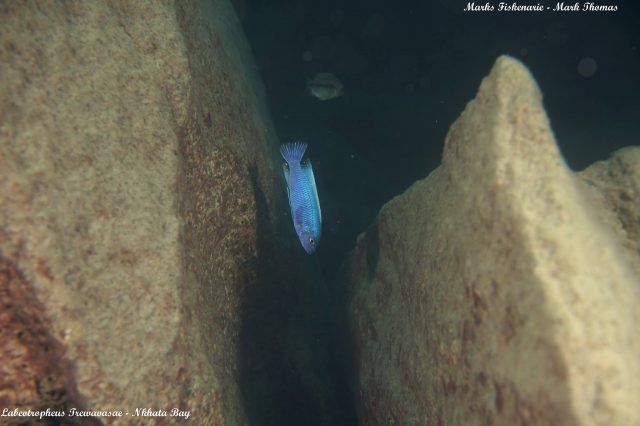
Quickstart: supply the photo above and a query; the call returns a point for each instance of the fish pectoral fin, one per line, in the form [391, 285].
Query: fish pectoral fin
[297, 217]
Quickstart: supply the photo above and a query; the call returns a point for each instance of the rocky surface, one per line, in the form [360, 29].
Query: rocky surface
[137, 189]
[615, 186]
[503, 288]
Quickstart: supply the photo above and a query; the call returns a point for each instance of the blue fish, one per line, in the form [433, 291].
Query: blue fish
[303, 195]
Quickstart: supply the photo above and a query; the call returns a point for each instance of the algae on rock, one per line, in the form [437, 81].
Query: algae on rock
[136, 173]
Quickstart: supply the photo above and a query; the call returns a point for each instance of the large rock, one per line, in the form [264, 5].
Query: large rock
[616, 186]
[502, 289]
[137, 196]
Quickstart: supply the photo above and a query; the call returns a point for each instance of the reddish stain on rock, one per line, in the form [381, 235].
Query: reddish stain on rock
[34, 372]
[43, 269]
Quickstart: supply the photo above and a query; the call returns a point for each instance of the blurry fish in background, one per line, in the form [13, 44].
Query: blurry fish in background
[324, 86]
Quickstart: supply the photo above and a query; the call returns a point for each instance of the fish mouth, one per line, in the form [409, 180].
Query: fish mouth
[309, 248]
[309, 243]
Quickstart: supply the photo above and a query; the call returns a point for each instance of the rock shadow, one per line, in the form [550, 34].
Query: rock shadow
[288, 373]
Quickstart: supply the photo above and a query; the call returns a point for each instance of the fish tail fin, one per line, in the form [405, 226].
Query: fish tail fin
[293, 152]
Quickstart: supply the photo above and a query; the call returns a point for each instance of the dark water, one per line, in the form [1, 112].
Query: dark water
[408, 69]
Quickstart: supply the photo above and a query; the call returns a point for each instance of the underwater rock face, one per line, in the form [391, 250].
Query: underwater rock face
[616, 188]
[137, 191]
[503, 288]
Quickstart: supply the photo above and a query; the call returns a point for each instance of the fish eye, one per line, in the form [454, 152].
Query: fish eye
[285, 165]
[312, 241]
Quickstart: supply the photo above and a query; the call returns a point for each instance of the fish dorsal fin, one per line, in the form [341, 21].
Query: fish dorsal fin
[287, 172]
